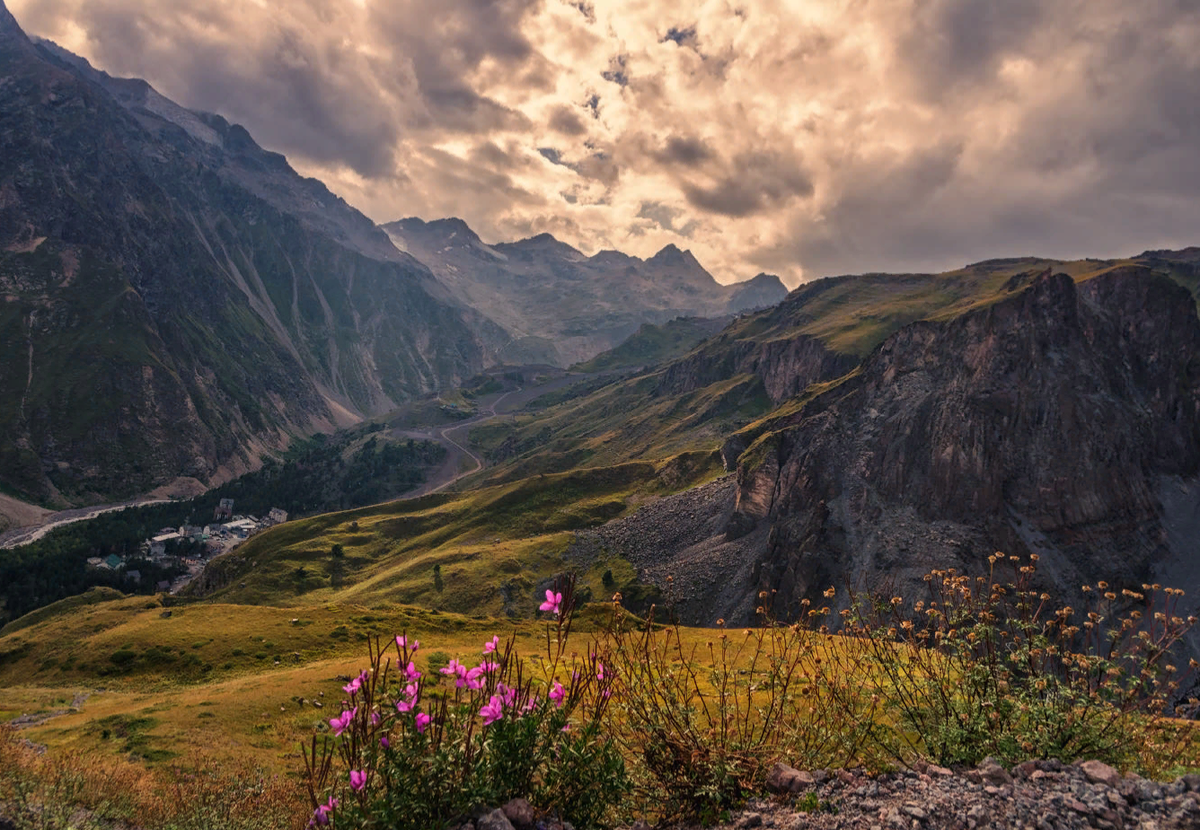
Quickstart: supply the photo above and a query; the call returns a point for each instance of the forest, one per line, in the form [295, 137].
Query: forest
[322, 474]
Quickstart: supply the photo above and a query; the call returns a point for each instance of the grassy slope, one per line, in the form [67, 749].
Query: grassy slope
[203, 683]
[653, 344]
[494, 545]
[628, 419]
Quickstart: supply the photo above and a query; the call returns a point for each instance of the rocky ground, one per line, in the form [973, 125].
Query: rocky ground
[678, 543]
[1035, 795]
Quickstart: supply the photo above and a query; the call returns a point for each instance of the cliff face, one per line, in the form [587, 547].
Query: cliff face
[1046, 422]
[175, 300]
[786, 366]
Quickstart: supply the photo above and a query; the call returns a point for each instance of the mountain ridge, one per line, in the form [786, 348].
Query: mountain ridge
[560, 306]
[179, 307]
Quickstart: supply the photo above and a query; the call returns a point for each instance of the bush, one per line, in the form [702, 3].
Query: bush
[703, 725]
[985, 667]
[416, 751]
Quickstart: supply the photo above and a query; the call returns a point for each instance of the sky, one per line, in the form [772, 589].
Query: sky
[804, 138]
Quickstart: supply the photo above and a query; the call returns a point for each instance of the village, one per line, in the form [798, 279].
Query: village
[190, 546]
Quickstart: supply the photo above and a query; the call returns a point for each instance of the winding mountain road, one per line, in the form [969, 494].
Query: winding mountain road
[454, 436]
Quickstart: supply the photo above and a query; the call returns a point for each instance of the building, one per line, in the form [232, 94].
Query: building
[158, 545]
[224, 510]
[277, 516]
[134, 575]
[113, 562]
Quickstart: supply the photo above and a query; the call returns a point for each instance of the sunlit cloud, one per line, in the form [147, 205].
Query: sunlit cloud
[800, 138]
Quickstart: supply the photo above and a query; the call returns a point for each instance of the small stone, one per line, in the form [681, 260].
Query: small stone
[785, 779]
[991, 772]
[495, 820]
[519, 812]
[1077, 806]
[1025, 769]
[1192, 782]
[939, 772]
[641, 824]
[1099, 772]
[915, 811]
[749, 820]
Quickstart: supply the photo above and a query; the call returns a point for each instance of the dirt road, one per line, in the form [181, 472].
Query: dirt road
[454, 436]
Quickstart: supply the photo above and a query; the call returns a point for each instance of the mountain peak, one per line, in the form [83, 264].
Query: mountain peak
[546, 243]
[672, 255]
[8, 24]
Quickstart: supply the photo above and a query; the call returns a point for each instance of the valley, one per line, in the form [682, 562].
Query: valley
[251, 438]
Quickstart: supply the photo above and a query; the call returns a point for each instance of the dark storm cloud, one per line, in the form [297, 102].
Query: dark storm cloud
[299, 76]
[750, 183]
[565, 120]
[687, 151]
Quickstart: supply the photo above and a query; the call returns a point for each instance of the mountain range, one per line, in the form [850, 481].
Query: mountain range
[560, 306]
[179, 302]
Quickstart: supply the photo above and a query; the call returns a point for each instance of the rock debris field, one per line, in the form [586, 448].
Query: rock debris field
[1035, 795]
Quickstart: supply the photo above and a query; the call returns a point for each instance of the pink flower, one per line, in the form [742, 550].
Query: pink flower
[422, 721]
[358, 780]
[507, 695]
[558, 694]
[599, 670]
[320, 816]
[492, 711]
[410, 671]
[457, 670]
[412, 693]
[553, 603]
[385, 743]
[491, 645]
[402, 641]
[342, 722]
[356, 684]
[376, 719]
[486, 667]
[530, 706]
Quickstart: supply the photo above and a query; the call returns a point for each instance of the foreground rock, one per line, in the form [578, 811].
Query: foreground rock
[1046, 795]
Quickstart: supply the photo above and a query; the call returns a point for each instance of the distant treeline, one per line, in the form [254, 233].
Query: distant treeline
[320, 475]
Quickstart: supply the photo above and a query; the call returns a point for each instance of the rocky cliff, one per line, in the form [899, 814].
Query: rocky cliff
[174, 300]
[1047, 422]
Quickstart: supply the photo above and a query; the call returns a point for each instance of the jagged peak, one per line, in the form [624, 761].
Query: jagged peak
[762, 278]
[672, 254]
[545, 242]
[446, 228]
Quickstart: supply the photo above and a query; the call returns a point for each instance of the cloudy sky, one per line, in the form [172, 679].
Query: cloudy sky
[799, 137]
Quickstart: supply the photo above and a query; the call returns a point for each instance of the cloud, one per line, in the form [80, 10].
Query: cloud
[831, 136]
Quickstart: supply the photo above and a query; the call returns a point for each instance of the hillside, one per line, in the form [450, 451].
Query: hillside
[178, 301]
[653, 344]
[562, 307]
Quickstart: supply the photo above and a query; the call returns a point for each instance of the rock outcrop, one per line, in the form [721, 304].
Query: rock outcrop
[1046, 422]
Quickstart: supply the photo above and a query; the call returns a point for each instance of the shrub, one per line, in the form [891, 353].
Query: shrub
[701, 726]
[987, 667]
[415, 751]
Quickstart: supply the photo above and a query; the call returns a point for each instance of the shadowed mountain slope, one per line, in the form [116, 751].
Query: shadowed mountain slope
[177, 301]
